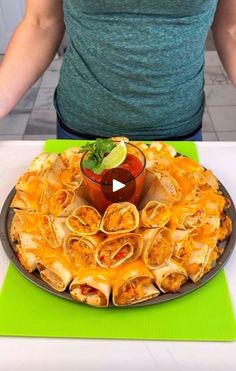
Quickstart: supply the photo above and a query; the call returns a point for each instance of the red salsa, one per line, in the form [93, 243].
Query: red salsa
[131, 163]
[93, 182]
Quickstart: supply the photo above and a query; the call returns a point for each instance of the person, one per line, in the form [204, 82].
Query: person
[132, 68]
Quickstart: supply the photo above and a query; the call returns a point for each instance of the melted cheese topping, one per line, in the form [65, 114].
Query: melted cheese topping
[88, 291]
[155, 215]
[173, 282]
[46, 228]
[117, 250]
[59, 201]
[81, 252]
[86, 220]
[161, 250]
[120, 218]
[132, 290]
[193, 268]
[196, 217]
[71, 177]
[225, 227]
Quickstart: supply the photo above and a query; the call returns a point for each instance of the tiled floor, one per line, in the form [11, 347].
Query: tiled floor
[34, 117]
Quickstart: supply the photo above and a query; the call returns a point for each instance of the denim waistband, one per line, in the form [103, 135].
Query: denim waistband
[90, 136]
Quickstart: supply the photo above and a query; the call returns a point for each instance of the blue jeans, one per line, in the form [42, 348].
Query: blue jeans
[64, 134]
[195, 138]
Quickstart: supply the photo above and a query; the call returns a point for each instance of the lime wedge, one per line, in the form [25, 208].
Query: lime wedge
[115, 157]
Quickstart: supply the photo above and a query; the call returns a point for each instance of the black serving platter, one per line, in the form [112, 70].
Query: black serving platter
[9, 247]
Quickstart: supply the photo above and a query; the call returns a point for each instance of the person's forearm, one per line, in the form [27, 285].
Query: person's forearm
[225, 42]
[28, 55]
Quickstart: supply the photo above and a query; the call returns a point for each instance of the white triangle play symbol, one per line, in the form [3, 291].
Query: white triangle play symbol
[116, 185]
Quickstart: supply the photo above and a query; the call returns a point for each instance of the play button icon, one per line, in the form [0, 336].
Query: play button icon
[118, 185]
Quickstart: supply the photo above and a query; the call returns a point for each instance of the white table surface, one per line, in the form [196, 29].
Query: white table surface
[23, 354]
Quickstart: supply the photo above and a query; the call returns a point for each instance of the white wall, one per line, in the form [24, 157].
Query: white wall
[11, 12]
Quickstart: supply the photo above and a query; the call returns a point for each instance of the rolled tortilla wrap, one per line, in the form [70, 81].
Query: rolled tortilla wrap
[26, 250]
[119, 249]
[163, 148]
[64, 202]
[210, 179]
[60, 228]
[214, 255]
[16, 228]
[120, 218]
[41, 161]
[154, 215]
[158, 164]
[45, 197]
[71, 157]
[45, 161]
[54, 230]
[180, 235]
[183, 251]
[225, 227]
[157, 152]
[81, 250]
[188, 165]
[211, 224]
[71, 178]
[30, 241]
[156, 160]
[204, 180]
[170, 277]
[148, 179]
[192, 196]
[193, 220]
[55, 274]
[198, 261]
[164, 189]
[27, 258]
[158, 247]
[23, 221]
[24, 201]
[29, 182]
[49, 167]
[92, 289]
[213, 201]
[187, 217]
[159, 157]
[133, 285]
[84, 221]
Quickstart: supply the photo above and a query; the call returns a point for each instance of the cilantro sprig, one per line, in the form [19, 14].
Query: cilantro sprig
[96, 153]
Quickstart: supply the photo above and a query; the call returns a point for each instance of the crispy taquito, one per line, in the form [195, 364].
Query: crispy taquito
[134, 284]
[71, 157]
[84, 221]
[64, 202]
[157, 247]
[170, 277]
[54, 230]
[119, 249]
[24, 221]
[198, 260]
[81, 250]
[119, 218]
[154, 215]
[55, 274]
[164, 189]
[93, 289]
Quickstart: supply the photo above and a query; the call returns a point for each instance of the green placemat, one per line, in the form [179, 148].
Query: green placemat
[206, 314]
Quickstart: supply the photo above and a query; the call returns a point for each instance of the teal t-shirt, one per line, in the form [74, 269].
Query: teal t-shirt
[134, 67]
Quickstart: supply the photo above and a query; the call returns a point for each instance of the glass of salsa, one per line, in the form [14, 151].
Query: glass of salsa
[100, 187]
